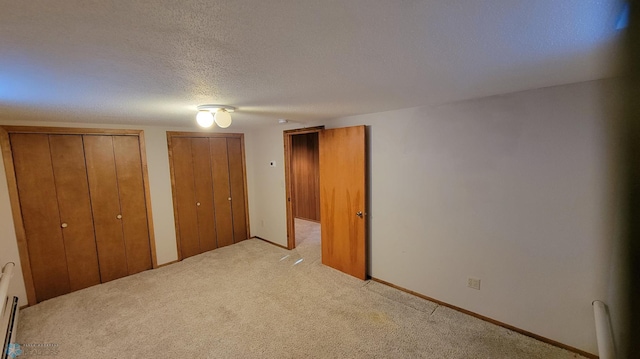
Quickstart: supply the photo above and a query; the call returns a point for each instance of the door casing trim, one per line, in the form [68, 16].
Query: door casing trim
[291, 232]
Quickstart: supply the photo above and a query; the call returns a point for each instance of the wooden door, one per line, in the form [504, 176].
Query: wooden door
[343, 199]
[221, 190]
[103, 184]
[40, 215]
[204, 194]
[236, 183]
[193, 188]
[74, 204]
[185, 197]
[209, 190]
[133, 210]
[54, 194]
[66, 186]
[114, 171]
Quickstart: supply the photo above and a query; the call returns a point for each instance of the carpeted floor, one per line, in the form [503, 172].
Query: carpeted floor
[255, 300]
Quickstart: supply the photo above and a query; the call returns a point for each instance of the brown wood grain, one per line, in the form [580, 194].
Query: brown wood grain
[288, 179]
[204, 193]
[70, 130]
[298, 131]
[103, 187]
[23, 247]
[175, 134]
[126, 151]
[37, 192]
[246, 191]
[305, 176]
[72, 188]
[236, 181]
[147, 197]
[185, 197]
[174, 198]
[14, 198]
[208, 169]
[221, 190]
[288, 186]
[342, 195]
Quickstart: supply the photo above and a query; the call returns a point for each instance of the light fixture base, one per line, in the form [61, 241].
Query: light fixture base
[214, 108]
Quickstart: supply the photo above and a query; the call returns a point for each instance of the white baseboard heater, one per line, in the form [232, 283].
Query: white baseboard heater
[8, 311]
[606, 348]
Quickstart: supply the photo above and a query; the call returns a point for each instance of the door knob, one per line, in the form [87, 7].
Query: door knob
[198, 204]
[229, 198]
[359, 214]
[119, 216]
[64, 225]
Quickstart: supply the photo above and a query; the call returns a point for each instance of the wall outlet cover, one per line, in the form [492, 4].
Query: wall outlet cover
[473, 283]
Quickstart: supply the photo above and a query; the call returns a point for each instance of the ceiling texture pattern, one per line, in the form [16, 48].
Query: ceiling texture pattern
[152, 62]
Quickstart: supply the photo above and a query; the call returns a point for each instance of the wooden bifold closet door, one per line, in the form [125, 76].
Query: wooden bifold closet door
[54, 194]
[209, 190]
[82, 207]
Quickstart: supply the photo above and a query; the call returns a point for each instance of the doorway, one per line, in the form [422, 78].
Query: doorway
[337, 186]
[302, 177]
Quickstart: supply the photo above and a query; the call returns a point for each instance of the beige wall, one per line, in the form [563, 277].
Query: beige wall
[267, 195]
[510, 189]
[159, 187]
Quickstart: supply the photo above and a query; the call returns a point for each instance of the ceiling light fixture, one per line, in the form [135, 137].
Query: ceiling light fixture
[220, 114]
[204, 118]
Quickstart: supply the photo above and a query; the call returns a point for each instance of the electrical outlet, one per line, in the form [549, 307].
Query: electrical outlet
[262, 223]
[473, 283]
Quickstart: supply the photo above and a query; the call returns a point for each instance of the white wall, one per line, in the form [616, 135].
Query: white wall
[266, 192]
[510, 189]
[159, 187]
[266, 187]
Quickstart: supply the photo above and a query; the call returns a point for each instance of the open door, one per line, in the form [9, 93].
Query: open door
[343, 199]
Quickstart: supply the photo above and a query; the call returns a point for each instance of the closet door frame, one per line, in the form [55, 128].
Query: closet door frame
[173, 134]
[7, 156]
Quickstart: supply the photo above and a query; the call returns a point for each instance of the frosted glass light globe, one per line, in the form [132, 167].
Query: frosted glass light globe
[223, 119]
[204, 118]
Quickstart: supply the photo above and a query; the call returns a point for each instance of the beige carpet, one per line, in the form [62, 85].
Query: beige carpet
[251, 300]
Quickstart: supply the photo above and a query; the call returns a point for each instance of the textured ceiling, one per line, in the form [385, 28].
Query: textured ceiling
[152, 62]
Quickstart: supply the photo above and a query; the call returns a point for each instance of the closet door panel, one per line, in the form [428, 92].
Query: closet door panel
[221, 191]
[236, 180]
[132, 203]
[41, 219]
[185, 196]
[67, 157]
[204, 193]
[103, 186]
